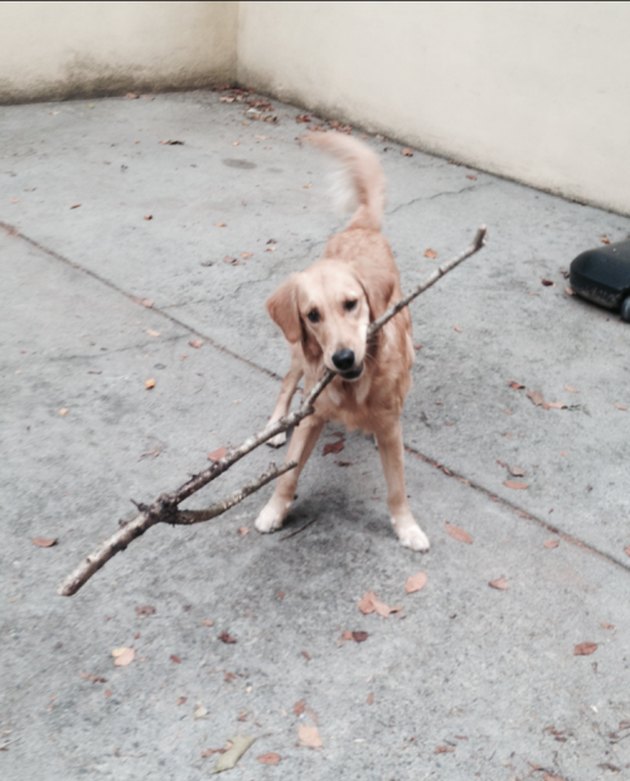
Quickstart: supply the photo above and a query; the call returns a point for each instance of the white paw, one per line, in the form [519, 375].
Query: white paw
[271, 517]
[411, 536]
[278, 440]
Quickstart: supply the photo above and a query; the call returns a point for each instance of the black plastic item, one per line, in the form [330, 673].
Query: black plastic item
[602, 275]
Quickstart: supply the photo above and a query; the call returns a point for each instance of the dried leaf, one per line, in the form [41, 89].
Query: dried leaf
[148, 217]
[182, 700]
[370, 698]
[207, 622]
[370, 603]
[516, 385]
[243, 530]
[303, 118]
[62, 412]
[217, 454]
[123, 656]
[472, 177]
[309, 737]
[44, 542]
[536, 398]
[515, 485]
[547, 282]
[240, 744]
[458, 534]
[209, 752]
[333, 447]
[271, 758]
[585, 649]
[299, 707]
[604, 239]
[196, 343]
[147, 302]
[175, 659]
[516, 471]
[621, 407]
[359, 636]
[93, 678]
[152, 332]
[430, 253]
[552, 543]
[444, 750]
[571, 389]
[75, 205]
[406, 152]
[149, 384]
[226, 637]
[626, 550]
[172, 142]
[416, 582]
[551, 777]
[200, 712]
[500, 584]
[145, 610]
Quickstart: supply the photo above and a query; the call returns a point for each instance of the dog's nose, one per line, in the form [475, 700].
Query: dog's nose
[343, 359]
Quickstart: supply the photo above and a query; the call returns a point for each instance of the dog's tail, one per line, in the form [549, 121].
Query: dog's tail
[362, 182]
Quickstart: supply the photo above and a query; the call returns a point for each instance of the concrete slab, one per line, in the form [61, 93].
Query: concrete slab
[468, 681]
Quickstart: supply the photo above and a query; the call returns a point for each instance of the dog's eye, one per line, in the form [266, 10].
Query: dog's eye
[313, 316]
[350, 305]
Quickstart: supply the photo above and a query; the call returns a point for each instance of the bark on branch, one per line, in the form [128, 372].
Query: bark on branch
[165, 509]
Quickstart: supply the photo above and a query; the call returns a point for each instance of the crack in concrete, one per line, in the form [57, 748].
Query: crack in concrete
[444, 194]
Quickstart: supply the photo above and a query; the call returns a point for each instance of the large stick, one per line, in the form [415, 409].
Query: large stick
[165, 508]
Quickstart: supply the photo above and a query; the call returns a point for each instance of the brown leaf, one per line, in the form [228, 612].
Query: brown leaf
[147, 302]
[217, 454]
[175, 659]
[149, 384]
[148, 217]
[621, 407]
[551, 544]
[536, 398]
[406, 152]
[196, 343]
[182, 700]
[516, 385]
[145, 610]
[44, 542]
[207, 622]
[430, 253]
[585, 649]
[500, 584]
[359, 636]
[132, 96]
[369, 603]
[444, 750]
[93, 678]
[604, 239]
[571, 389]
[516, 471]
[626, 550]
[333, 447]
[62, 412]
[123, 656]
[515, 485]
[309, 737]
[303, 118]
[552, 777]
[243, 530]
[547, 282]
[457, 329]
[370, 698]
[152, 332]
[208, 752]
[172, 142]
[246, 255]
[75, 205]
[299, 707]
[554, 405]
[458, 534]
[472, 177]
[226, 637]
[415, 582]
[271, 758]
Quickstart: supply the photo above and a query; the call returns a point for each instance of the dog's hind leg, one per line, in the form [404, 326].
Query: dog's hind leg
[287, 391]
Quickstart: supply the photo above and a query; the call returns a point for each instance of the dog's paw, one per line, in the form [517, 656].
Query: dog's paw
[271, 517]
[411, 536]
[278, 440]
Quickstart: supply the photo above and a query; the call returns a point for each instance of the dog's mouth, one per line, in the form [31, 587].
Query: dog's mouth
[352, 374]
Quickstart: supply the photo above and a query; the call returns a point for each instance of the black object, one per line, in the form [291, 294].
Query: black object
[602, 275]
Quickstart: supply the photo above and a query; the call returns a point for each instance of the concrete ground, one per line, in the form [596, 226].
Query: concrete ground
[121, 251]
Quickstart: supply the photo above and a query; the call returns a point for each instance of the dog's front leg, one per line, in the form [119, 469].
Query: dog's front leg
[303, 440]
[287, 391]
[390, 448]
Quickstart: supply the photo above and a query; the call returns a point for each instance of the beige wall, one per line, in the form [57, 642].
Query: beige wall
[55, 50]
[538, 92]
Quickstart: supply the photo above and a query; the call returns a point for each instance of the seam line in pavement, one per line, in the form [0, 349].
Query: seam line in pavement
[12, 231]
[520, 511]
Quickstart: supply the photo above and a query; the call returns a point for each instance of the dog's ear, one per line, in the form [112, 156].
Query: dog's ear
[283, 310]
[378, 285]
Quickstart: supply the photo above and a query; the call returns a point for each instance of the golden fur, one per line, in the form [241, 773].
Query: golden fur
[324, 313]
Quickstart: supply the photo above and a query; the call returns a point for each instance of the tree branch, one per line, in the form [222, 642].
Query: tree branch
[165, 508]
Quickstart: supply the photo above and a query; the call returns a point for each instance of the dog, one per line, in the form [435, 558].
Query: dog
[324, 313]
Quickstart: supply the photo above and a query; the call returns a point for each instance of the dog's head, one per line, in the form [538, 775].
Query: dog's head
[328, 308]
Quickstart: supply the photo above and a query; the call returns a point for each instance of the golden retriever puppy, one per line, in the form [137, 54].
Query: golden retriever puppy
[324, 313]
